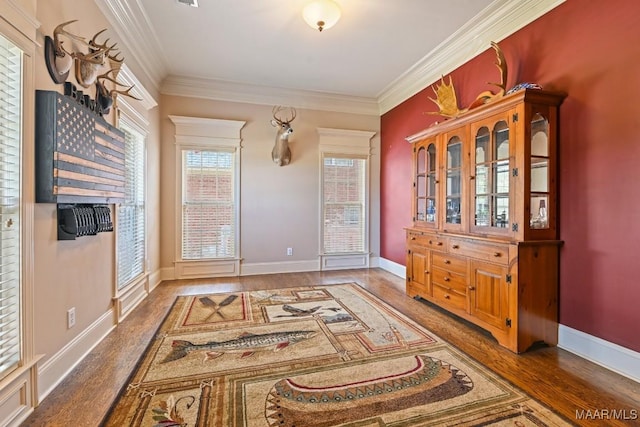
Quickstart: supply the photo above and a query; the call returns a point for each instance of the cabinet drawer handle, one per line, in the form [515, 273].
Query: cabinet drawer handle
[447, 296]
[446, 261]
[439, 243]
[497, 254]
[413, 237]
[472, 288]
[430, 242]
[455, 246]
[472, 177]
[446, 279]
[426, 272]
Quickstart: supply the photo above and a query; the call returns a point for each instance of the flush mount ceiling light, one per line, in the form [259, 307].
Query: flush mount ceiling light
[321, 14]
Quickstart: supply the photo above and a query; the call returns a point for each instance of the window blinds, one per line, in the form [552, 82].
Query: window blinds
[343, 205]
[10, 194]
[131, 213]
[208, 204]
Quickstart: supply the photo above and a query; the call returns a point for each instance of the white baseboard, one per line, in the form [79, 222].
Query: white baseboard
[604, 353]
[154, 279]
[56, 368]
[393, 267]
[251, 269]
[167, 273]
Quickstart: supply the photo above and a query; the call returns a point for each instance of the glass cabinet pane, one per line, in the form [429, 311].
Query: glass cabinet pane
[453, 189]
[431, 183]
[421, 161]
[539, 172]
[425, 183]
[482, 211]
[492, 177]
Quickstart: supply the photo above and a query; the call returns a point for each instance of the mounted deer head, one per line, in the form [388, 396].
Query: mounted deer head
[281, 154]
[64, 58]
[104, 97]
[88, 65]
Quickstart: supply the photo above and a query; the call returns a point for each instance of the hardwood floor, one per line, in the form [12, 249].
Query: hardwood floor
[555, 377]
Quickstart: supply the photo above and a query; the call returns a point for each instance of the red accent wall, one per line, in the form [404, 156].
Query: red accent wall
[591, 50]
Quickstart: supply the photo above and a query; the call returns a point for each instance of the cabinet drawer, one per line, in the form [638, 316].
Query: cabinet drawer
[448, 279]
[430, 241]
[449, 298]
[451, 263]
[493, 252]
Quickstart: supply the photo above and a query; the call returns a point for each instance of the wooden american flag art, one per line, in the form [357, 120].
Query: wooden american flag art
[79, 156]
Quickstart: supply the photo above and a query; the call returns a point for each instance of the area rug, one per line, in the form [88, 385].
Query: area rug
[310, 357]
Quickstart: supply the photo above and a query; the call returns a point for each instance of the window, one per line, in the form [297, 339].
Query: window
[344, 204]
[207, 201]
[10, 202]
[131, 213]
[344, 198]
[208, 204]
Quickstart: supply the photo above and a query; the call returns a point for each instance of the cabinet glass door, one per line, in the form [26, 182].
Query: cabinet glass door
[426, 184]
[454, 180]
[539, 172]
[492, 176]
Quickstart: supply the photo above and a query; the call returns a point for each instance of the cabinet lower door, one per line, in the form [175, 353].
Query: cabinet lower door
[419, 268]
[489, 296]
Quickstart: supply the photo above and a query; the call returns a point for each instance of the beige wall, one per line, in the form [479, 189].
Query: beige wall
[80, 273]
[280, 206]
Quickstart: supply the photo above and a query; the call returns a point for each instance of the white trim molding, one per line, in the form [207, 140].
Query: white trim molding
[220, 90]
[253, 269]
[495, 23]
[133, 27]
[604, 353]
[393, 268]
[353, 144]
[58, 366]
[14, 14]
[345, 141]
[147, 101]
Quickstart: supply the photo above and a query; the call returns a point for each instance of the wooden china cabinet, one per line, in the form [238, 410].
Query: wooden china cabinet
[484, 239]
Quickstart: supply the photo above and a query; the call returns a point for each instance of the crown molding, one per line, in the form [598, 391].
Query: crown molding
[130, 22]
[220, 90]
[496, 22]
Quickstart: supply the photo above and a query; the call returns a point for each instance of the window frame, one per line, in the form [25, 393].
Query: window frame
[128, 119]
[345, 144]
[365, 203]
[18, 386]
[205, 134]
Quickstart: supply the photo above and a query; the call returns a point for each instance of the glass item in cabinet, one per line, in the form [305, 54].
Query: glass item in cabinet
[539, 172]
[453, 187]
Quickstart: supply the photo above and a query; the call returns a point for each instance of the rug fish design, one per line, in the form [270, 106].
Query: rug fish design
[246, 343]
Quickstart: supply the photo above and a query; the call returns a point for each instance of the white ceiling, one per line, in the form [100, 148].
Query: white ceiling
[239, 48]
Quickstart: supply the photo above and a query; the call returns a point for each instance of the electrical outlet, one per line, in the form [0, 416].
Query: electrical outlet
[71, 317]
[289, 251]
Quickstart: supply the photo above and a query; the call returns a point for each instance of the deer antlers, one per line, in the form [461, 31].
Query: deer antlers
[88, 65]
[112, 92]
[277, 109]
